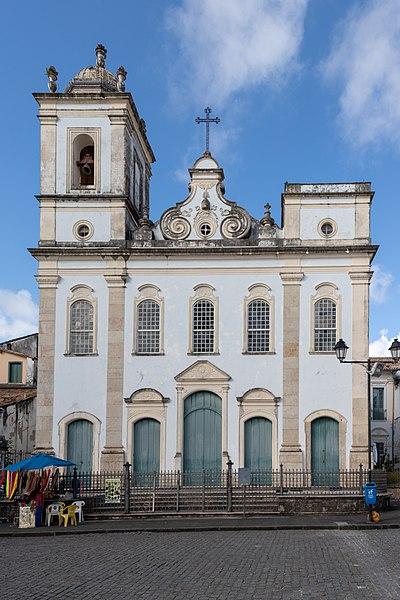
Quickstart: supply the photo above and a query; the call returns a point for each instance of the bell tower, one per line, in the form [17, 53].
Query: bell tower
[95, 159]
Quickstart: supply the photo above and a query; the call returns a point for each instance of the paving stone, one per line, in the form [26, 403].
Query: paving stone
[214, 565]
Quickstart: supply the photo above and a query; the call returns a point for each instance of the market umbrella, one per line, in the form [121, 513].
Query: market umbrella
[39, 461]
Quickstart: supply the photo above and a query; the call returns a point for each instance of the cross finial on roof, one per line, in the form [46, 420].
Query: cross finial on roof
[207, 120]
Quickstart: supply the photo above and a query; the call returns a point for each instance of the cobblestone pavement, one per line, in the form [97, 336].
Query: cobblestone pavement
[215, 565]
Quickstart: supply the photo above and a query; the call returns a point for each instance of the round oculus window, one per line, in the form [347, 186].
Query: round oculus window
[83, 230]
[205, 229]
[327, 228]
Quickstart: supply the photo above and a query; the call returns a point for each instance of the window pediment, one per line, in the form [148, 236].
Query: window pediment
[202, 370]
[146, 396]
[258, 395]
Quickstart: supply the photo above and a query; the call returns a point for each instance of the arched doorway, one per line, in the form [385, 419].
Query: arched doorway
[146, 446]
[80, 444]
[258, 447]
[325, 451]
[202, 446]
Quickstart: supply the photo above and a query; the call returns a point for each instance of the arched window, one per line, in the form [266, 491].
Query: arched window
[325, 324]
[83, 152]
[83, 167]
[258, 320]
[148, 327]
[203, 327]
[81, 327]
[258, 326]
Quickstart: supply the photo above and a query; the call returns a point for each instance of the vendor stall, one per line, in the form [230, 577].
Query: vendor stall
[35, 482]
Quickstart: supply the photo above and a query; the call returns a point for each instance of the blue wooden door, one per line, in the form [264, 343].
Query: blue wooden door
[258, 448]
[146, 446]
[202, 447]
[325, 451]
[80, 444]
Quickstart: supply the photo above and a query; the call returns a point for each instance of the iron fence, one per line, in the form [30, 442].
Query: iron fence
[229, 490]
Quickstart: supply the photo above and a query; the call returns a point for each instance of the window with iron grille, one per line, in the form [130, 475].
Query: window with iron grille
[81, 327]
[324, 325]
[203, 327]
[258, 326]
[148, 327]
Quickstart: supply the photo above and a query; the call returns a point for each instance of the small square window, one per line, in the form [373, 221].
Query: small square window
[15, 372]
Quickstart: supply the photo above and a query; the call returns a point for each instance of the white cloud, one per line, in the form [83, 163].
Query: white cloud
[226, 46]
[380, 284]
[364, 62]
[18, 314]
[380, 347]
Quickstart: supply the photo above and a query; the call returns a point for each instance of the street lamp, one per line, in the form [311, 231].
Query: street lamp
[395, 350]
[372, 369]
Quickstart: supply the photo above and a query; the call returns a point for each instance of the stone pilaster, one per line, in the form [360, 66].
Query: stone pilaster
[48, 149]
[290, 453]
[119, 164]
[113, 454]
[359, 351]
[179, 428]
[47, 284]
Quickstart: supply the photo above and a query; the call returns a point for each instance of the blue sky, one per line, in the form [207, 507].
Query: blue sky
[306, 91]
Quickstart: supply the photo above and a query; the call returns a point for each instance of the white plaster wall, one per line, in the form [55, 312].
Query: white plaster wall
[324, 382]
[66, 219]
[246, 371]
[310, 217]
[105, 151]
[80, 382]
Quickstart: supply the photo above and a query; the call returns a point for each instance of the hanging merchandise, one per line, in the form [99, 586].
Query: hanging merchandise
[11, 485]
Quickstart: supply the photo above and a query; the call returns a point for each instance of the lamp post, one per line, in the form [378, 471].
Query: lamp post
[372, 369]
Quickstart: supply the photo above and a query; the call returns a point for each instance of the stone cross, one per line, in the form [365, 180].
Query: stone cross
[207, 120]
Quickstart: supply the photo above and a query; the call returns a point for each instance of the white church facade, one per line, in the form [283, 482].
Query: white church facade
[205, 336]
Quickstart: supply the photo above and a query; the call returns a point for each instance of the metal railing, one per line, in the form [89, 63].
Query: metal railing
[128, 491]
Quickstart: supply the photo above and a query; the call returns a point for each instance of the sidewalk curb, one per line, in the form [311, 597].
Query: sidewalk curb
[193, 529]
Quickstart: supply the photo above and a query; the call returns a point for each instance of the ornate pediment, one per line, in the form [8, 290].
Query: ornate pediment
[202, 370]
[205, 214]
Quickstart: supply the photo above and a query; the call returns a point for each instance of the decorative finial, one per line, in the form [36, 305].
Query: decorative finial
[52, 75]
[101, 53]
[266, 218]
[121, 76]
[207, 121]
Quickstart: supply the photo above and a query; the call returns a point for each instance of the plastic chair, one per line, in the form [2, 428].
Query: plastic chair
[79, 509]
[69, 514]
[54, 510]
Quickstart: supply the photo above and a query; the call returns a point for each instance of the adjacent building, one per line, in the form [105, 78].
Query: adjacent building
[205, 335]
[385, 417]
[18, 369]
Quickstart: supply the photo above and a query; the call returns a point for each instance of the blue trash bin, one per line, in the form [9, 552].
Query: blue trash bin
[370, 493]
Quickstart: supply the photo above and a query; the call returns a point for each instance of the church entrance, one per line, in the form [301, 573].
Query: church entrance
[202, 448]
[146, 446]
[325, 451]
[80, 444]
[258, 448]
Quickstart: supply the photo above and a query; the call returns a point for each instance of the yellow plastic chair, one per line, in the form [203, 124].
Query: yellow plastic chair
[69, 514]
